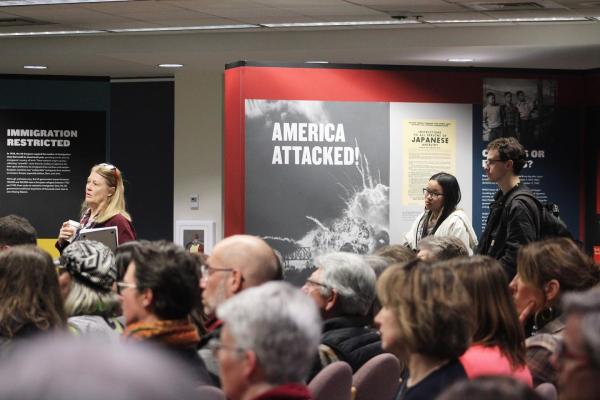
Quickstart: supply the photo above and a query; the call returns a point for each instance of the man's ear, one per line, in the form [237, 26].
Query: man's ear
[331, 301]
[147, 298]
[252, 371]
[552, 289]
[236, 281]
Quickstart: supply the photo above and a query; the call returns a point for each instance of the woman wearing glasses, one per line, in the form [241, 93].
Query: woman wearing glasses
[104, 206]
[441, 217]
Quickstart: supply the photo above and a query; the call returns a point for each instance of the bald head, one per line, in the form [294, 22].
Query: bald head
[251, 255]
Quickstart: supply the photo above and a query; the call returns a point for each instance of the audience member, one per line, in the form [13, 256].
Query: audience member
[16, 230]
[397, 252]
[64, 368]
[426, 319]
[439, 248]
[378, 263]
[441, 216]
[546, 270]
[30, 302]
[498, 342]
[513, 220]
[158, 292]
[488, 388]
[578, 357]
[236, 263]
[87, 273]
[269, 338]
[343, 287]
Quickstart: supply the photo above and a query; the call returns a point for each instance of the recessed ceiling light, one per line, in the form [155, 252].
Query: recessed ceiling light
[12, 3]
[170, 65]
[316, 62]
[35, 67]
[460, 60]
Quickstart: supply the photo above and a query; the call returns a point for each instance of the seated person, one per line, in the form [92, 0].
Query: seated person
[426, 319]
[87, 273]
[438, 248]
[159, 290]
[16, 230]
[343, 287]
[269, 337]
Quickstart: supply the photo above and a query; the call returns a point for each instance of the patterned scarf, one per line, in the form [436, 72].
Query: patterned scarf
[176, 333]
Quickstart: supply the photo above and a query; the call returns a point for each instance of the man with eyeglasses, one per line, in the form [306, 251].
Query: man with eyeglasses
[270, 335]
[513, 220]
[235, 264]
[578, 357]
[343, 287]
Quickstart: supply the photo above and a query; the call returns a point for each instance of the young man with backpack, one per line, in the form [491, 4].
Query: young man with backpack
[515, 217]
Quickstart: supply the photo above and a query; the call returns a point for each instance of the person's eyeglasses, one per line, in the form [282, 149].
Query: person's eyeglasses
[112, 168]
[488, 162]
[207, 271]
[312, 282]
[433, 195]
[124, 285]
[215, 346]
[563, 353]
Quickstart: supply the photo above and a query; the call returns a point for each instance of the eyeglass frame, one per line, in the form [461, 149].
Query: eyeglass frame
[124, 285]
[205, 270]
[491, 161]
[313, 282]
[433, 195]
[215, 346]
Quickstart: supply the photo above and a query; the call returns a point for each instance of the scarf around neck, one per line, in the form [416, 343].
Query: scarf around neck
[177, 333]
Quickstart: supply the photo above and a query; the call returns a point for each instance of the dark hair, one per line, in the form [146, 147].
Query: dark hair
[31, 299]
[505, 93]
[15, 230]
[496, 319]
[521, 92]
[172, 275]
[123, 254]
[490, 387]
[452, 197]
[509, 149]
[488, 94]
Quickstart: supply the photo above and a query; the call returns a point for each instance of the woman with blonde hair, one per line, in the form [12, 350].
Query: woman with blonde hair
[498, 342]
[426, 320]
[104, 206]
[31, 302]
[545, 271]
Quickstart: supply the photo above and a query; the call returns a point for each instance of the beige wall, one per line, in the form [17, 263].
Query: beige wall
[198, 145]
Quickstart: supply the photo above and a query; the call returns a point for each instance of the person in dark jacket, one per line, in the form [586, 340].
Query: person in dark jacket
[158, 291]
[343, 286]
[512, 221]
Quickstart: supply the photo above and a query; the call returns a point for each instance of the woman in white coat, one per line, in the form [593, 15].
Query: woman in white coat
[441, 217]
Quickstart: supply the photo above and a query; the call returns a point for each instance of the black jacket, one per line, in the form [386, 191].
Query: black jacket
[352, 340]
[511, 224]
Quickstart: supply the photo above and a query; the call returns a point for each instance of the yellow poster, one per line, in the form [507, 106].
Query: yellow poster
[429, 147]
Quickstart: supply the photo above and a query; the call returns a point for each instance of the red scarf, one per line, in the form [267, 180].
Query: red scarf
[289, 391]
[177, 333]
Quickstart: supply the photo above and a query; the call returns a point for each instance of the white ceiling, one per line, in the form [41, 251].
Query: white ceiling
[564, 45]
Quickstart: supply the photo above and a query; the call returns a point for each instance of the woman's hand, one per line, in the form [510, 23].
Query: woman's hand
[527, 312]
[66, 231]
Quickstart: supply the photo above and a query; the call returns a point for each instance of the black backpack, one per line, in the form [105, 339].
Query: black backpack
[550, 223]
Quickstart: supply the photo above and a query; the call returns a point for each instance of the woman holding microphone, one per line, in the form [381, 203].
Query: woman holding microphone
[104, 206]
[441, 217]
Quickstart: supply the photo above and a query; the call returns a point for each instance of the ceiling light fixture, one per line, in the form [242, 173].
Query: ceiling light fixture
[340, 23]
[170, 65]
[504, 20]
[12, 3]
[183, 28]
[49, 33]
[460, 60]
[35, 67]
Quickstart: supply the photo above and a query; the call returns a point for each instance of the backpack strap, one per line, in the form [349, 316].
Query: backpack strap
[533, 204]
